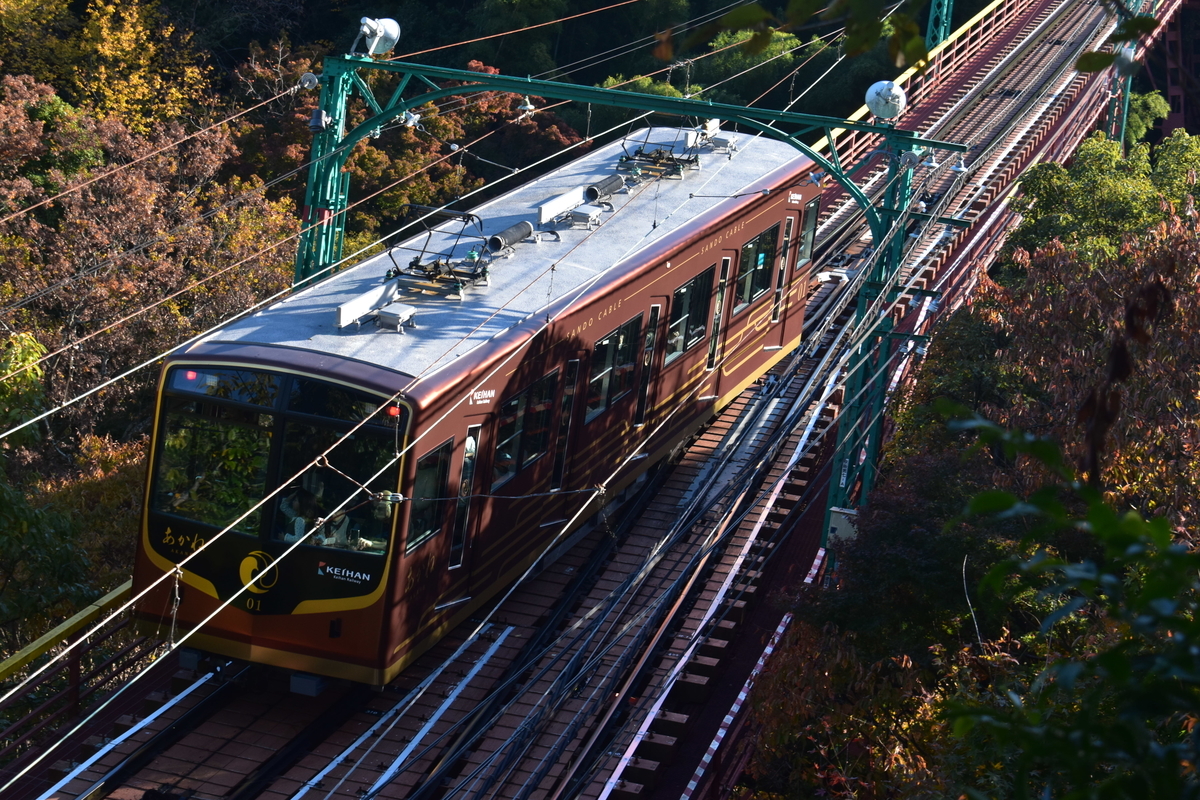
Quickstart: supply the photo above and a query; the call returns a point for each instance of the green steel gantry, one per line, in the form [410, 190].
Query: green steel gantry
[327, 196]
[937, 30]
[327, 200]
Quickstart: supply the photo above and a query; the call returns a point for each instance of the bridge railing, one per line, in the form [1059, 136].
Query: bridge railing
[920, 85]
[77, 682]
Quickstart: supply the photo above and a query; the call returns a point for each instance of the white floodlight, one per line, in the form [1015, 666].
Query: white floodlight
[961, 166]
[309, 81]
[526, 108]
[886, 100]
[379, 35]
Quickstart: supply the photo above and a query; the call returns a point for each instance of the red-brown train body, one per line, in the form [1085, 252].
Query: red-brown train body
[614, 340]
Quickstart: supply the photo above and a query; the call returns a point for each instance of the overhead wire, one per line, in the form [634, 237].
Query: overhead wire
[510, 33]
[195, 284]
[289, 90]
[342, 505]
[881, 368]
[284, 484]
[159, 356]
[302, 540]
[111, 260]
[144, 157]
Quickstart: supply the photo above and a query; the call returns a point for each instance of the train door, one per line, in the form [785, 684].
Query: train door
[466, 513]
[647, 381]
[718, 333]
[779, 301]
[566, 413]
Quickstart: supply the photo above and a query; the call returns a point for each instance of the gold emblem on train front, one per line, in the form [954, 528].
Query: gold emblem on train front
[256, 572]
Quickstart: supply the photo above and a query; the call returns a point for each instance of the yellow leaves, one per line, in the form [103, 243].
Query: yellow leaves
[139, 68]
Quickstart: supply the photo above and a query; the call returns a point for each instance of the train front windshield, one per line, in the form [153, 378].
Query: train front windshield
[231, 436]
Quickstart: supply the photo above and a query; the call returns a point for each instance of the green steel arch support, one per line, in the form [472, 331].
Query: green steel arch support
[327, 196]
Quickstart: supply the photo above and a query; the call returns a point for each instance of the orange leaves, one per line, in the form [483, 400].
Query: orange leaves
[836, 726]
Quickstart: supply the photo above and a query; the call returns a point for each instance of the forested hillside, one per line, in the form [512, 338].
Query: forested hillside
[1017, 615]
[153, 156]
[131, 221]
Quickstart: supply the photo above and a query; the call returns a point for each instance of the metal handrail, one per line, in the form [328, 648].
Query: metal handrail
[10, 666]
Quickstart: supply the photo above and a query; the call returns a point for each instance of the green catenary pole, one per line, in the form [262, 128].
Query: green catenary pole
[327, 197]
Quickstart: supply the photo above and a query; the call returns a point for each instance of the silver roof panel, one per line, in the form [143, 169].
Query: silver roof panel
[533, 277]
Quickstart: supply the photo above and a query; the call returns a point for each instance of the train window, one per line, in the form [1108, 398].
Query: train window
[689, 314]
[755, 268]
[331, 400]
[217, 456]
[239, 385]
[777, 303]
[523, 433]
[539, 405]
[714, 341]
[359, 524]
[212, 464]
[564, 425]
[602, 357]
[508, 441]
[427, 514]
[808, 233]
[614, 360]
[639, 417]
[466, 481]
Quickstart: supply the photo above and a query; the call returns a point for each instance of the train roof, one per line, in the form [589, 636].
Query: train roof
[446, 328]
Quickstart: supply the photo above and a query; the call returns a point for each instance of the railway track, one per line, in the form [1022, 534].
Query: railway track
[589, 680]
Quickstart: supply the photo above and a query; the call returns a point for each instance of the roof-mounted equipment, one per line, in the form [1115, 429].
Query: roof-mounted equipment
[604, 189]
[509, 236]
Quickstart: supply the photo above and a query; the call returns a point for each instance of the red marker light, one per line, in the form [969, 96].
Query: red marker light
[393, 411]
[191, 374]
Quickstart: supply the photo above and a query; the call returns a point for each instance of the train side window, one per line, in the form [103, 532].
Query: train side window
[602, 358]
[625, 359]
[523, 432]
[777, 304]
[427, 515]
[689, 314]
[614, 360]
[714, 341]
[808, 234]
[639, 418]
[564, 425]
[755, 268]
[539, 406]
[466, 481]
[508, 441]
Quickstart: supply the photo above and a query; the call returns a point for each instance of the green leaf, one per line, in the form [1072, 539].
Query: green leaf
[759, 41]
[748, 16]
[701, 35]
[915, 52]
[1062, 611]
[1133, 28]
[801, 11]
[861, 36]
[1095, 62]
[1049, 454]
[991, 501]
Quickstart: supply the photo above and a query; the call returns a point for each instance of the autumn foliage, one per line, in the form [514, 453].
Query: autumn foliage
[1068, 671]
